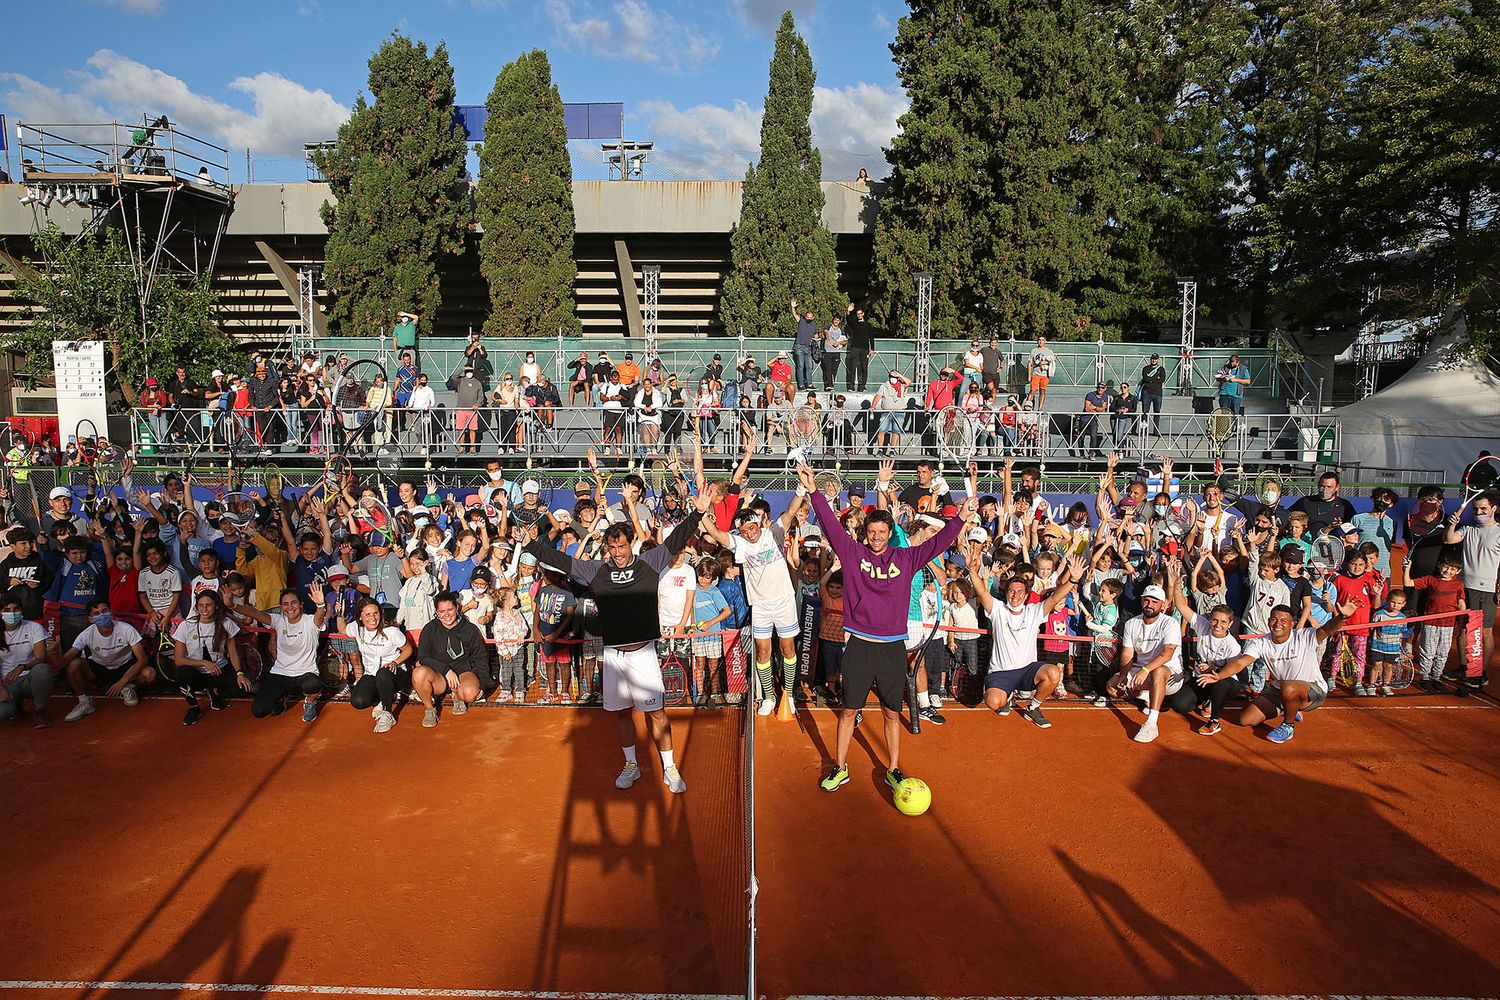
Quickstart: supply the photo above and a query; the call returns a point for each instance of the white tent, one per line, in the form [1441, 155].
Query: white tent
[1437, 416]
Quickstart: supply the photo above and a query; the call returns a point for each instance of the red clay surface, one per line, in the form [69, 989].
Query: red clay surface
[494, 853]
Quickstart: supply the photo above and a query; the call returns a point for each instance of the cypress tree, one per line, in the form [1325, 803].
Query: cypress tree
[780, 249]
[397, 171]
[1009, 179]
[525, 204]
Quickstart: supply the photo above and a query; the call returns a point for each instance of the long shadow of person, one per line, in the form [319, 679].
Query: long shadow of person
[1149, 943]
[1382, 897]
[219, 929]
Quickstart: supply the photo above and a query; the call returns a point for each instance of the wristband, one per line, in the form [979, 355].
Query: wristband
[881, 486]
[801, 491]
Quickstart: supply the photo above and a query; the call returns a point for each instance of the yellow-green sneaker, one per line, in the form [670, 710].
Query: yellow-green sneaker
[837, 775]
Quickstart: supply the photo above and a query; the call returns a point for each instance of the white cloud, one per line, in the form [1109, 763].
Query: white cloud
[705, 127]
[858, 118]
[882, 23]
[765, 15]
[285, 114]
[634, 31]
[133, 6]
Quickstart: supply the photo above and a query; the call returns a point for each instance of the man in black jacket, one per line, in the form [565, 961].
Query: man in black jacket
[857, 354]
[451, 656]
[265, 400]
[1153, 379]
[624, 586]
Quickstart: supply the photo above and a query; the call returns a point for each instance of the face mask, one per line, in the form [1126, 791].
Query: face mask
[12, 618]
[105, 620]
[1484, 519]
[1161, 510]
[1270, 496]
[479, 590]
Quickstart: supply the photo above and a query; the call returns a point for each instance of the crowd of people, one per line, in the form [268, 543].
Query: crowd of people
[511, 402]
[1219, 611]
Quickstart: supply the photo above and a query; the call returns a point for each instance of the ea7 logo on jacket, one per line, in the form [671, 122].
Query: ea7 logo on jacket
[883, 573]
[622, 576]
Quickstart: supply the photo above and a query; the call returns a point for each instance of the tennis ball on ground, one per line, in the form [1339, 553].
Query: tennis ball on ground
[913, 797]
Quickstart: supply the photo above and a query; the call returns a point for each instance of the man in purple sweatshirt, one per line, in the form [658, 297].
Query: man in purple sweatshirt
[877, 594]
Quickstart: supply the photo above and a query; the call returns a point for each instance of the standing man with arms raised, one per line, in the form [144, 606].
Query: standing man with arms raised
[1480, 553]
[802, 347]
[1042, 366]
[877, 595]
[625, 589]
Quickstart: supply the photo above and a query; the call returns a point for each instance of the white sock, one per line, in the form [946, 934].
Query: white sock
[629, 754]
[1035, 702]
[666, 759]
[922, 700]
[1150, 715]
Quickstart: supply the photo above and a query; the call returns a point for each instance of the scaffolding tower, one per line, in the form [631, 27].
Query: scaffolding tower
[167, 192]
[650, 308]
[924, 328]
[1189, 289]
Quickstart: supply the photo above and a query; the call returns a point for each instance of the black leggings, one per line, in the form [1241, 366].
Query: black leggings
[379, 686]
[275, 687]
[191, 682]
[1217, 694]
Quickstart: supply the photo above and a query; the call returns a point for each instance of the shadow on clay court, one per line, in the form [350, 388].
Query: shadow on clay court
[1150, 943]
[217, 932]
[1330, 850]
[627, 898]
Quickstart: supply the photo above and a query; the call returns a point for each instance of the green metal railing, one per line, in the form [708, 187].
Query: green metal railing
[1080, 363]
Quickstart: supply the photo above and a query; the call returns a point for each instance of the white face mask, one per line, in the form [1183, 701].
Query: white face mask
[1484, 519]
[496, 475]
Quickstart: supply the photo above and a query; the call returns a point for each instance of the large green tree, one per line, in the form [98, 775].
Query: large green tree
[780, 250]
[1297, 70]
[84, 288]
[1405, 195]
[1010, 179]
[524, 202]
[397, 171]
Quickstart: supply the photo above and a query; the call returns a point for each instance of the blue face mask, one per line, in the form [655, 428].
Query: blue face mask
[12, 618]
[105, 620]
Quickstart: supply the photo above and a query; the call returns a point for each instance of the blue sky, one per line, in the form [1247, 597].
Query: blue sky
[270, 74]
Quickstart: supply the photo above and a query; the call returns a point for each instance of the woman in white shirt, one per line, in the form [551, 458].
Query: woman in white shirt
[612, 402]
[24, 671]
[649, 403]
[381, 664]
[206, 656]
[973, 374]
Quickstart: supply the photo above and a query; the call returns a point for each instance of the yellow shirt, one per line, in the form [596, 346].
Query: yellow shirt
[267, 568]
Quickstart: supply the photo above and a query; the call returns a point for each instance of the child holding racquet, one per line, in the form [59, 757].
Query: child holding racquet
[1390, 640]
[710, 612]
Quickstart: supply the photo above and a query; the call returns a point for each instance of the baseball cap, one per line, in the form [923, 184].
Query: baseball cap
[1292, 554]
[152, 381]
[378, 538]
[1156, 356]
[978, 535]
[432, 500]
[338, 574]
[531, 486]
[58, 492]
[1154, 591]
[217, 373]
[527, 559]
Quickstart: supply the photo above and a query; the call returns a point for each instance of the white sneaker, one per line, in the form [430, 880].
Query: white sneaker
[384, 722]
[375, 711]
[84, 707]
[1147, 732]
[767, 706]
[673, 780]
[934, 700]
[130, 696]
[629, 775]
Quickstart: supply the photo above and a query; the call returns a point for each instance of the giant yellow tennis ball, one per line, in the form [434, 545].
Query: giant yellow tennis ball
[913, 797]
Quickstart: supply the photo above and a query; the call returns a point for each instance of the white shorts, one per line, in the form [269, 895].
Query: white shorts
[632, 679]
[777, 616]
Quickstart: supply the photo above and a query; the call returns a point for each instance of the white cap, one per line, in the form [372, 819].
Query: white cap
[978, 535]
[58, 492]
[1155, 592]
[563, 514]
[217, 374]
[1011, 539]
[531, 486]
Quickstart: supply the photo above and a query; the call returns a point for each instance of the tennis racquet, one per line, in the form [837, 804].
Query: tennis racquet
[831, 485]
[674, 679]
[251, 662]
[1232, 484]
[658, 473]
[1483, 475]
[166, 651]
[1220, 430]
[349, 398]
[1182, 514]
[1346, 668]
[1328, 552]
[956, 435]
[804, 429]
[1102, 659]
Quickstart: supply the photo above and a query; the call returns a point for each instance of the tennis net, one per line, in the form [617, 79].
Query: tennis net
[747, 773]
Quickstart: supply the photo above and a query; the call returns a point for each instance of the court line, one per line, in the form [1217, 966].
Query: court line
[368, 991]
[1187, 996]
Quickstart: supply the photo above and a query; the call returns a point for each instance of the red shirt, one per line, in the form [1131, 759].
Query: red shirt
[780, 371]
[1442, 595]
[940, 394]
[1353, 590]
[124, 591]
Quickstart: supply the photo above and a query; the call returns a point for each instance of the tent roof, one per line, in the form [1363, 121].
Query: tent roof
[1449, 392]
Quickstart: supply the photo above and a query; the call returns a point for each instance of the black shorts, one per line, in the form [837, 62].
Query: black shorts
[881, 665]
[1058, 656]
[104, 676]
[1482, 600]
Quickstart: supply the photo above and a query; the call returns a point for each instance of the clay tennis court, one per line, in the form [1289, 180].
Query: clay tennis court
[493, 856]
